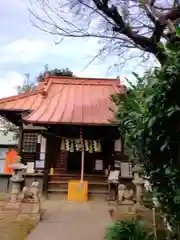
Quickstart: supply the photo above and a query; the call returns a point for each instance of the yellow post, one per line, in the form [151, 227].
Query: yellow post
[77, 190]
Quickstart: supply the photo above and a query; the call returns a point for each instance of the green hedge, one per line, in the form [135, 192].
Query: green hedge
[128, 230]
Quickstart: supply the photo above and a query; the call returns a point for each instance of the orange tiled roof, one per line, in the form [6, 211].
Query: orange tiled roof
[66, 100]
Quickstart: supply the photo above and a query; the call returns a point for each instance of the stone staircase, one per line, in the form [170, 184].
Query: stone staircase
[58, 185]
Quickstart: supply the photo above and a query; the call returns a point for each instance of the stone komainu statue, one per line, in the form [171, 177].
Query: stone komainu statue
[125, 195]
[31, 192]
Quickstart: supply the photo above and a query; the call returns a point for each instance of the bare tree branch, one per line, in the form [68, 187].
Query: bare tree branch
[125, 24]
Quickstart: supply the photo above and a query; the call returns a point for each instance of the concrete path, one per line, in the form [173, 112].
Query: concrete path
[73, 221]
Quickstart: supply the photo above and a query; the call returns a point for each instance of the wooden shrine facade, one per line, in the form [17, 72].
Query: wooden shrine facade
[52, 117]
[59, 148]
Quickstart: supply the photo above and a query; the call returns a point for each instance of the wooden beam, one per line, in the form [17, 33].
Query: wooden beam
[33, 127]
[90, 132]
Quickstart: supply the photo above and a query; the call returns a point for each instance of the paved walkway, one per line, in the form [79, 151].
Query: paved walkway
[73, 221]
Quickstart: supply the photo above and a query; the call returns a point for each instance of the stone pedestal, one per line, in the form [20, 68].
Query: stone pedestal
[16, 180]
[30, 208]
[15, 190]
[124, 212]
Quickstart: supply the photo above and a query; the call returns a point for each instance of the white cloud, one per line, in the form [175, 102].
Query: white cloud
[93, 71]
[22, 51]
[26, 51]
[8, 82]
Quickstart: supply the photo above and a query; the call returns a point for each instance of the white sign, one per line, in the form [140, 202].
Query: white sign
[30, 167]
[42, 156]
[39, 164]
[114, 176]
[117, 145]
[99, 165]
[125, 170]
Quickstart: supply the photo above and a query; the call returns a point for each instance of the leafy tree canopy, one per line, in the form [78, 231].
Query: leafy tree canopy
[30, 84]
[149, 117]
[55, 72]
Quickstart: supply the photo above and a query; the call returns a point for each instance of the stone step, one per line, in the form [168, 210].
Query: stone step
[64, 189]
[77, 176]
[57, 179]
[57, 190]
[57, 194]
[103, 183]
[64, 185]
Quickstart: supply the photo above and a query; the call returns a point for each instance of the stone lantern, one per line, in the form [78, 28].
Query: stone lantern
[138, 182]
[16, 180]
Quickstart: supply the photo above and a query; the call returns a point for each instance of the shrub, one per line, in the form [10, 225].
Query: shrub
[128, 230]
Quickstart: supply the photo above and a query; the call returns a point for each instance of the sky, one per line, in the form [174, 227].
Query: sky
[25, 49]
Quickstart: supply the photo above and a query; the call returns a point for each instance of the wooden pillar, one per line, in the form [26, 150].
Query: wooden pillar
[20, 141]
[46, 170]
[122, 144]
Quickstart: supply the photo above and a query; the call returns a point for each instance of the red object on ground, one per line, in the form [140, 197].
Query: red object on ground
[11, 157]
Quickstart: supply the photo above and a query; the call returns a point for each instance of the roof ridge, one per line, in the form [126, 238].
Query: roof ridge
[47, 85]
[80, 78]
[64, 76]
[85, 81]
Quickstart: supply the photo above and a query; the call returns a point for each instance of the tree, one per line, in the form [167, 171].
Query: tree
[27, 85]
[30, 84]
[119, 25]
[149, 116]
[55, 72]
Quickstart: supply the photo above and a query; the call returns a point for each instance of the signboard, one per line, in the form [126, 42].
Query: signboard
[99, 165]
[114, 176]
[30, 167]
[39, 164]
[125, 169]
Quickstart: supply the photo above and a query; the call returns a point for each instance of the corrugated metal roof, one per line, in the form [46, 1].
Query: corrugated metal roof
[26, 101]
[67, 100]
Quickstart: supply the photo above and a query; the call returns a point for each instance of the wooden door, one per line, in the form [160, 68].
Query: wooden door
[61, 162]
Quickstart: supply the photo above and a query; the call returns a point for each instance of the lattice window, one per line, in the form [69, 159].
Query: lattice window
[30, 142]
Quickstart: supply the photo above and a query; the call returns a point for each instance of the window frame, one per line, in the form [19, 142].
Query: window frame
[29, 146]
